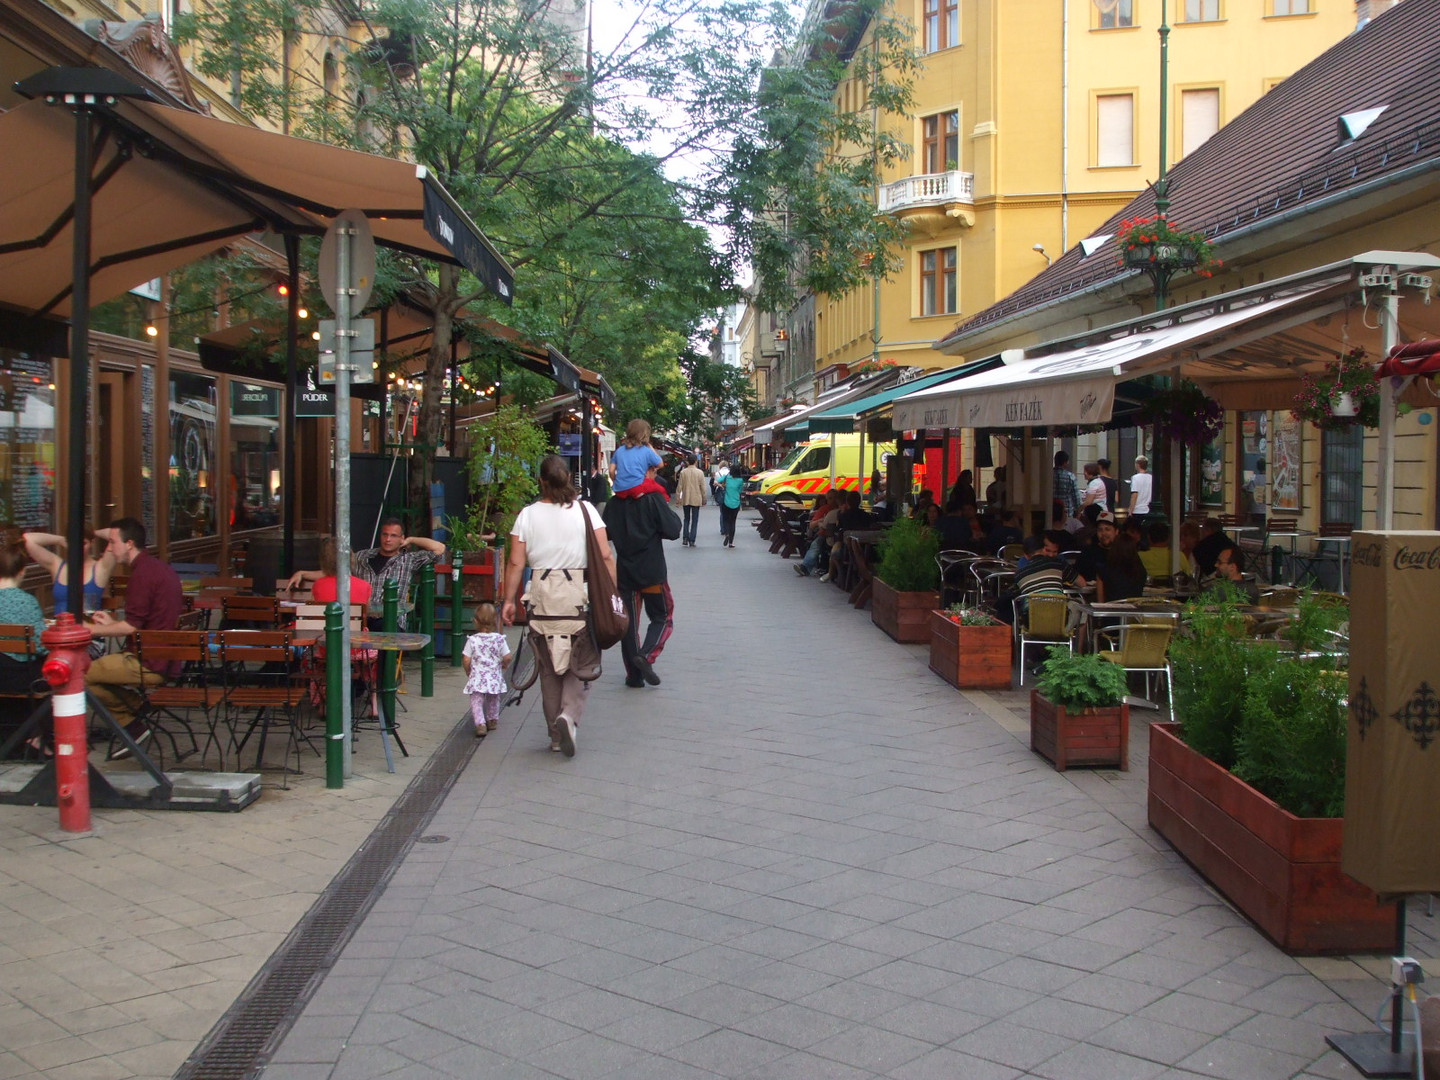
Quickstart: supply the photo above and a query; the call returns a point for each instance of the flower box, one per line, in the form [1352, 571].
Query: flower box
[1099, 736]
[970, 657]
[1281, 871]
[905, 616]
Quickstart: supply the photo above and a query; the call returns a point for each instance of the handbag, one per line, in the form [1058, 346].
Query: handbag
[608, 619]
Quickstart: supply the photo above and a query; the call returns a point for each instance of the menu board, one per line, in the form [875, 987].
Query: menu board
[27, 440]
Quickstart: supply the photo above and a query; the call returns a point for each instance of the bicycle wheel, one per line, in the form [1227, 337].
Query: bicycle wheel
[523, 669]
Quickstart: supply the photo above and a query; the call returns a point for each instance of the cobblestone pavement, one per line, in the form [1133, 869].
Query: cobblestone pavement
[120, 949]
[804, 856]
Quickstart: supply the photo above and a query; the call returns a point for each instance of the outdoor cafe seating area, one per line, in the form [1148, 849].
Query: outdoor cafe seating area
[1135, 633]
[251, 693]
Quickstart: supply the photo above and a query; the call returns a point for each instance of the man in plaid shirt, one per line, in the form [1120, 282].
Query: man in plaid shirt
[392, 562]
[1067, 490]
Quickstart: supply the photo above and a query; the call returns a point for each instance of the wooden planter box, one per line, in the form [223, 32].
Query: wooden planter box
[905, 616]
[970, 657]
[1282, 871]
[1094, 737]
[477, 575]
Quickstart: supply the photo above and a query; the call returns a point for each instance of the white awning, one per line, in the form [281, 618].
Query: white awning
[1077, 385]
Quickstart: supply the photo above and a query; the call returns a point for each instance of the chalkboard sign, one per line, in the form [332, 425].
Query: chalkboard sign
[27, 440]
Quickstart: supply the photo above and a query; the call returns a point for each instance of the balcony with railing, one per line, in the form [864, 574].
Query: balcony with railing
[928, 190]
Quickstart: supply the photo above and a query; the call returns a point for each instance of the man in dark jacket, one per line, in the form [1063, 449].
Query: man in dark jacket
[638, 528]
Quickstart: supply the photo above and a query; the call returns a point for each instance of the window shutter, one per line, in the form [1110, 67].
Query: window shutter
[1199, 118]
[1116, 116]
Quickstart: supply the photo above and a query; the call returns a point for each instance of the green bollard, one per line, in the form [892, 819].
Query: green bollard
[457, 612]
[390, 661]
[427, 626]
[334, 696]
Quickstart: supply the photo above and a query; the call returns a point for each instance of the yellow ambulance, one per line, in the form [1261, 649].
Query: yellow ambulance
[805, 471]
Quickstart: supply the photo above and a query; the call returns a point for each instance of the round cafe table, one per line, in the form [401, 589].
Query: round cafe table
[388, 641]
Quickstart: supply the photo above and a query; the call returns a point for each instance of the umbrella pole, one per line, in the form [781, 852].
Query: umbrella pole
[292, 328]
[79, 363]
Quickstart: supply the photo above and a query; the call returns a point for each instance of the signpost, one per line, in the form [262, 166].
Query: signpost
[347, 274]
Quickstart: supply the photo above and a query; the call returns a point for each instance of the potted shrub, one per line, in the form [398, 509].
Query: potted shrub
[1078, 713]
[1249, 783]
[907, 582]
[970, 649]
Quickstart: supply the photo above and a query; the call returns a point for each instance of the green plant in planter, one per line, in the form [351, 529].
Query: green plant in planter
[907, 557]
[1080, 681]
[1210, 666]
[961, 615]
[1290, 744]
[505, 453]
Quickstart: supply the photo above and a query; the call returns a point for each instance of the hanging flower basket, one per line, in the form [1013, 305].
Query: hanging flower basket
[1347, 392]
[1153, 243]
[1185, 414]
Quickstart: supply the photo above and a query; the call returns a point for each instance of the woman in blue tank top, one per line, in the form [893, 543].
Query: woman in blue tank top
[44, 548]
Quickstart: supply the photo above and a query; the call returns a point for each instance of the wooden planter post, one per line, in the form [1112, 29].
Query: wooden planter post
[1093, 737]
[971, 657]
[905, 616]
[1282, 871]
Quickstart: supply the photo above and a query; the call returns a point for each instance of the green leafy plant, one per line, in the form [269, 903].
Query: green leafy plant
[1080, 681]
[505, 453]
[1350, 374]
[1290, 744]
[1210, 665]
[961, 615]
[1154, 240]
[907, 557]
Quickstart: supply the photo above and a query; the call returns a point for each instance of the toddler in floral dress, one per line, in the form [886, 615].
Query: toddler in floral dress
[486, 656]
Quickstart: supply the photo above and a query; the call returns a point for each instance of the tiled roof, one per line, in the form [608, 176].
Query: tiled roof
[1285, 153]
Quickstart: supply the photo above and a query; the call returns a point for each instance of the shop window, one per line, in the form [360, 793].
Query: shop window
[1114, 14]
[1199, 118]
[937, 282]
[254, 495]
[1290, 7]
[1342, 461]
[942, 24]
[1202, 10]
[27, 441]
[1115, 130]
[192, 455]
[940, 142]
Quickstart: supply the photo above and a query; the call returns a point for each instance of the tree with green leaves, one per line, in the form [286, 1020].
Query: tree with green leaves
[603, 176]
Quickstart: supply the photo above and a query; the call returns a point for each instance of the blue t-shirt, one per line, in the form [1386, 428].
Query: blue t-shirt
[631, 465]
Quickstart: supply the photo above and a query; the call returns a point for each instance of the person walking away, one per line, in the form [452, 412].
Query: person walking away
[1142, 486]
[396, 559]
[44, 549]
[635, 460]
[692, 497]
[486, 656]
[549, 535]
[718, 473]
[639, 528]
[153, 601]
[731, 490]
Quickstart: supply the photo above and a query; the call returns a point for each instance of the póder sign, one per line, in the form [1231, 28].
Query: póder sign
[320, 402]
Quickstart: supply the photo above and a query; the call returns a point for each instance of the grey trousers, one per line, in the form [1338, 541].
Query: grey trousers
[558, 693]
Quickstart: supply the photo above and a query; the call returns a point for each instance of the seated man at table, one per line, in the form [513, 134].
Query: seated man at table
[153, 601]
[1227, 570]
[391, 561]
[853, 516]
[1095, 554]
[1044, 571]
[1156, 557]
[1207, 550]
[825, 534]
[1005, 531]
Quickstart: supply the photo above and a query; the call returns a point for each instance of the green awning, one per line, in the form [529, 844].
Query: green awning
[842, 418]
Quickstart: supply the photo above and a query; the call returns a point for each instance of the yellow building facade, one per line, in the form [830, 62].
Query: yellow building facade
[1033, 123]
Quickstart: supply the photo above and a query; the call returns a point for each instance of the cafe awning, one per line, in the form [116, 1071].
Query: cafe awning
[1247, 349]
[171, 186]
[843, 419]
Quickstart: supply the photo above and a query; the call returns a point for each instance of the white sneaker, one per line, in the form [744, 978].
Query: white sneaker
[824, 577]
[567, 736]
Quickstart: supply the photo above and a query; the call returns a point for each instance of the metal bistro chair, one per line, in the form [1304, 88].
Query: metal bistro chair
[260, 678]
[953, 579]
[197, 689]
[1044, 624]
[1142, 647]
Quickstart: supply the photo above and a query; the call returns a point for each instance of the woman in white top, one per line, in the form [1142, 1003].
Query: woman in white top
[549, 534]
[1095, 490]
[1141, 488]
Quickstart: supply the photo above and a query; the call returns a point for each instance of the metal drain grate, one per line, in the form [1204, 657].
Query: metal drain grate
[242, 1041]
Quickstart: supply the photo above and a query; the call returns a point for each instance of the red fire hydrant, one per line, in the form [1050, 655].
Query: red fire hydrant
[68, 644]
